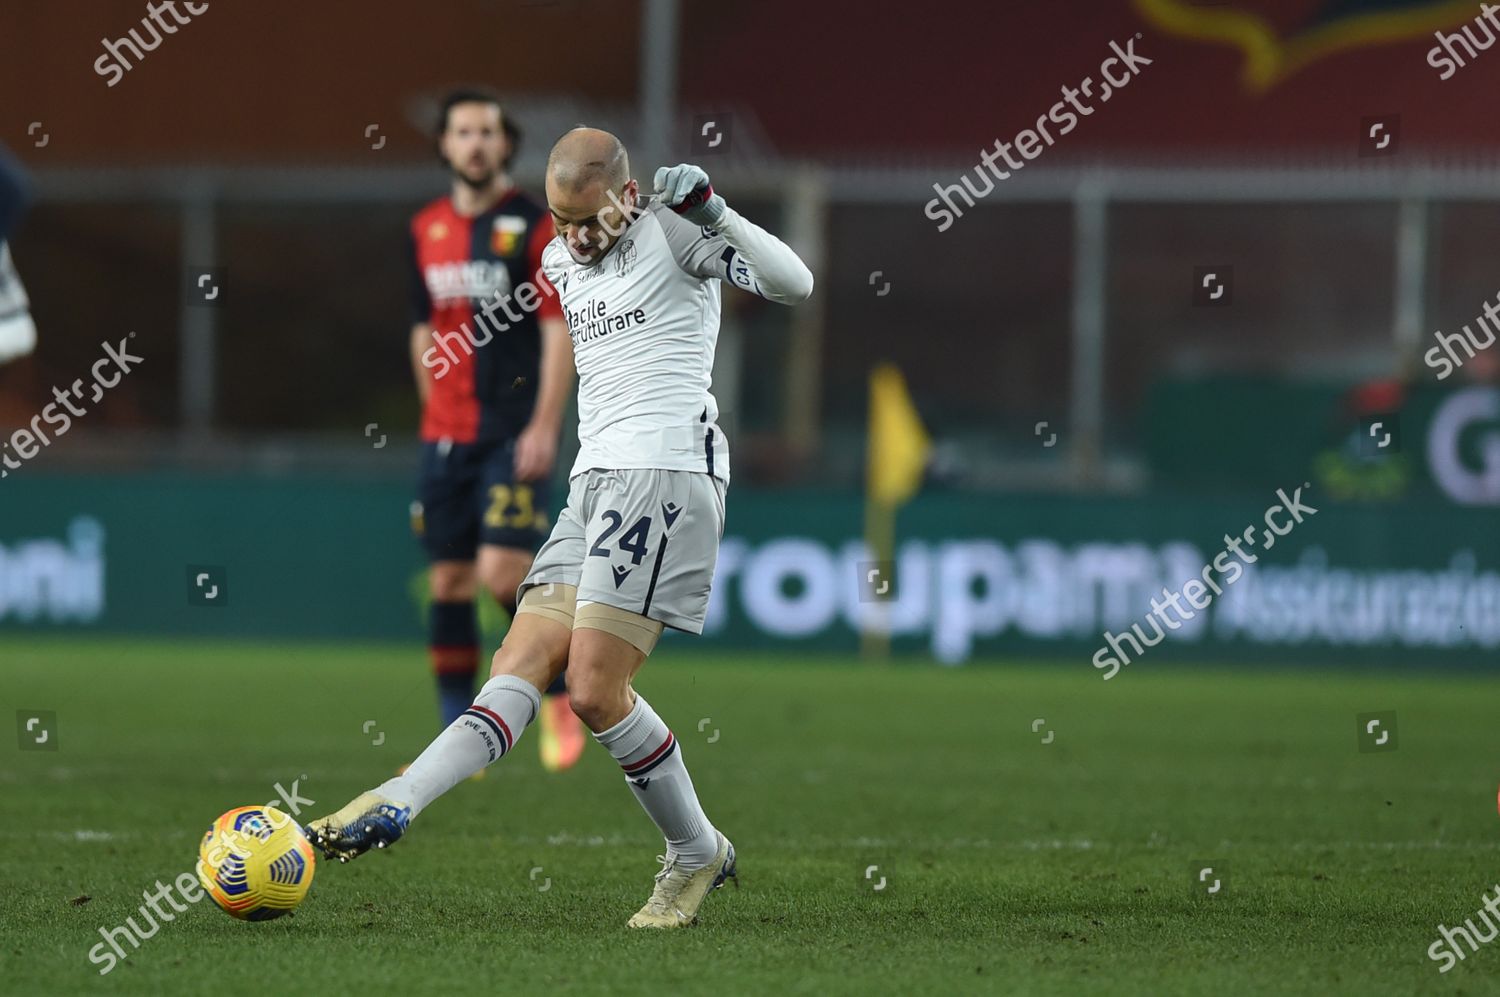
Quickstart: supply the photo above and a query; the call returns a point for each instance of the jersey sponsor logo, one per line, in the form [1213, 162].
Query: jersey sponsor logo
[507, 235]
[594, 321]
[625, 258]
[475, 280]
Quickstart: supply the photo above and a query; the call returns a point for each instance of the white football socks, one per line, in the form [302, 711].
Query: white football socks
[482, 734]
[653, 766]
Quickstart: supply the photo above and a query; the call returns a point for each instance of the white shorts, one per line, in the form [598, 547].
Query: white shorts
[642, 540]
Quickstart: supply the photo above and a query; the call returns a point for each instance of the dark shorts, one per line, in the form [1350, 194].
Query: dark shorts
[467, 496]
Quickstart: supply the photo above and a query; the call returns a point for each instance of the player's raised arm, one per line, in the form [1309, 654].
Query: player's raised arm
[757, 261]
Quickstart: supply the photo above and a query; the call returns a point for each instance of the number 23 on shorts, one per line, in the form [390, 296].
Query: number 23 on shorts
[501, 515]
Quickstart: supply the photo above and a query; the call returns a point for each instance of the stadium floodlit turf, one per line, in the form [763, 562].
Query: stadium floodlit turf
[1010, 864]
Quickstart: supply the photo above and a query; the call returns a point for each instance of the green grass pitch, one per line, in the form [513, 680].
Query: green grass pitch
[1010, 864]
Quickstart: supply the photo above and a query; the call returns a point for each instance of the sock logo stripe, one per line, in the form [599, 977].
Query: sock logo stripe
[636, 773]
[652, 760]
[496, 724]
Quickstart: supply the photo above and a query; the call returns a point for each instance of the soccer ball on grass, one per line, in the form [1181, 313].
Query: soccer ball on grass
[256, 863]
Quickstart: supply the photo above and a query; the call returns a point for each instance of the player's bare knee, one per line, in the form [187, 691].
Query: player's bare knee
[536, 646]
[598, 698]
[503, 586]
[508, 660]
[453, 591]
[531, 660]
[605, 652]
[501, 570]
[452, 581]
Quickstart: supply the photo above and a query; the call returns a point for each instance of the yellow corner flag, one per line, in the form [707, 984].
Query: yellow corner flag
[898, 445]
[896, 458]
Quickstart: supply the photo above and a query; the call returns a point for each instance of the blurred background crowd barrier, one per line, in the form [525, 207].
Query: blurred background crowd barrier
[1227, 280]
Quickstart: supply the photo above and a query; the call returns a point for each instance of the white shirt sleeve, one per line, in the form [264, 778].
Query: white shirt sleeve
[740, 252]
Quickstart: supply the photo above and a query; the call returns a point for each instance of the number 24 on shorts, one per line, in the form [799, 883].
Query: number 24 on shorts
[633, 542]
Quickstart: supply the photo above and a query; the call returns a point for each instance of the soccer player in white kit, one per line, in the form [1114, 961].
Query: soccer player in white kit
[635, 548]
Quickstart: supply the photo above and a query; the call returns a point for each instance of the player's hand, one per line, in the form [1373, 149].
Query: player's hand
[536, 452]
[686, 190]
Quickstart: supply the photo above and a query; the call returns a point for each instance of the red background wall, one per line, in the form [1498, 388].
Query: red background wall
[282, 81]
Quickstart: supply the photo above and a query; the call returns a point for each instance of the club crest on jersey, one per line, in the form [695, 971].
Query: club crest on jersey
[1275, 46]
[505, 238]
[625, 258]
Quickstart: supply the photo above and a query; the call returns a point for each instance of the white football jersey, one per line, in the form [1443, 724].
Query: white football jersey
[644, 322]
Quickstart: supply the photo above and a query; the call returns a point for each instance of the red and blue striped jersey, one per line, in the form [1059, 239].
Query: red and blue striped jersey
[485, 381]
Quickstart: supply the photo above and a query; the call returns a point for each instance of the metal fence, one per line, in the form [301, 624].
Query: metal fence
[1064, 298]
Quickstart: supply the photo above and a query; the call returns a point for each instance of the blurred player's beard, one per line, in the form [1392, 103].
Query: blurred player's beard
[482, 180]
